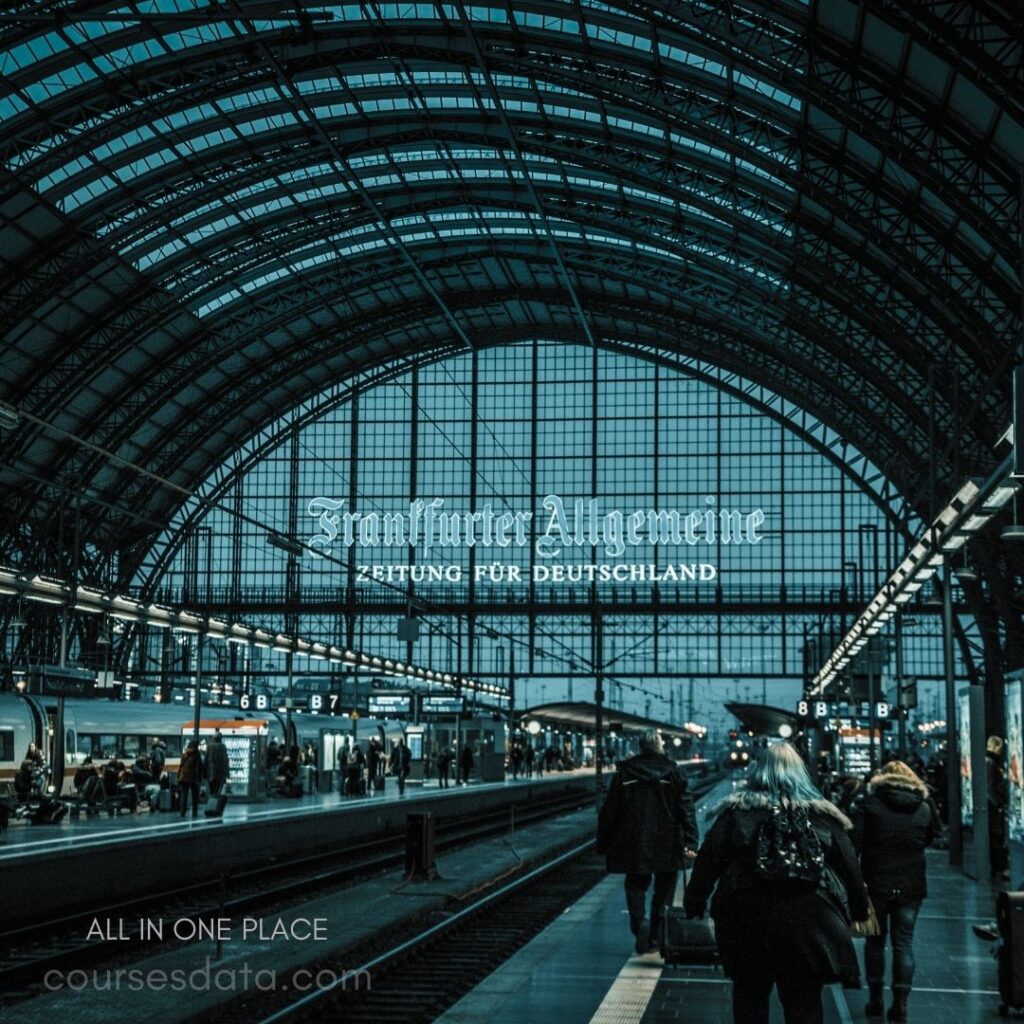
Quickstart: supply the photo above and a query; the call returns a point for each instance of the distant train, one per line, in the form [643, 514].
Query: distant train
[104, 730]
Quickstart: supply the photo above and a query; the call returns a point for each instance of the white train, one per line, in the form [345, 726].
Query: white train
[104, 730]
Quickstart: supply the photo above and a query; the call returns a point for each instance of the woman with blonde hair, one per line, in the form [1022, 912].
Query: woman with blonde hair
[786, 885]
[894, 825]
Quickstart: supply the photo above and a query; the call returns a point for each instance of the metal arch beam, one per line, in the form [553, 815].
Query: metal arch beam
[173, 373]
[707, 84]
[669, 326]
[62, 383]
[961, 323]
[524, 169]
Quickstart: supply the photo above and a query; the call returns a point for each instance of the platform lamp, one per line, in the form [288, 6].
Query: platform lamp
[1013, 533]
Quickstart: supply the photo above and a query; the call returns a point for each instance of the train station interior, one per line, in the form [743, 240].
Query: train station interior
[456, 456]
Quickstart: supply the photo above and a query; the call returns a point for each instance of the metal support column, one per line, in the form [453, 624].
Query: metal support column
[956, 853]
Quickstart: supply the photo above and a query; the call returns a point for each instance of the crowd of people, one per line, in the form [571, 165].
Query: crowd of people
[115, 784]
[787, 875]
[284, 766]
[360, 773]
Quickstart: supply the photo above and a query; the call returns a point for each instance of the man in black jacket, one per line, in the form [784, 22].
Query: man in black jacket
[647, 827]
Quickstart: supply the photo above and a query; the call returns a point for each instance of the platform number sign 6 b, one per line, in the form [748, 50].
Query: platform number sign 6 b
[254, 702]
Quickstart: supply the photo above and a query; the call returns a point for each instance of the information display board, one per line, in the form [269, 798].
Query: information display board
[389, 705]
[1015, 759]
[964, 748]
[447, 705]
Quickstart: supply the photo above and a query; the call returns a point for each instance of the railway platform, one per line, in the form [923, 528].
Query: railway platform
[581, 969]
[103, 829]
[131, 855]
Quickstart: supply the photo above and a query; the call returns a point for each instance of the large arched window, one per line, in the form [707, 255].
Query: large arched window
[731, 534]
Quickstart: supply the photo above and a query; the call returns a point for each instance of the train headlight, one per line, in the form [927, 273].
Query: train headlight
[733, 756]
[51, 789]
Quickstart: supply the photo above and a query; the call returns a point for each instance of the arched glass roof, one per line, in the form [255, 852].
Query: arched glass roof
[211, 214]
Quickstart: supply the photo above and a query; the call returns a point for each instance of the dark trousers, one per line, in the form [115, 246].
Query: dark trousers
[800, 998]
[401, 783]
[896, 920]
[636, 898]
[442, 777]
[184, 788]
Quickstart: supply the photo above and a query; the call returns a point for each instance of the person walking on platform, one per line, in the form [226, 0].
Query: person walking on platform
[516, 759]
[465, 764]
[190, 772]
[342, 769]
[217, 765]
[998, 797]
[401, 763]
[894, 825]
[444, 764]
[528, 760]
[373, 757]
[647, 828]
[786, 882]
[158, 757]
[356, 764]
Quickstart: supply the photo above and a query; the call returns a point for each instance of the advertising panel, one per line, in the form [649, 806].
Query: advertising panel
[1015, 760]
[964, 747]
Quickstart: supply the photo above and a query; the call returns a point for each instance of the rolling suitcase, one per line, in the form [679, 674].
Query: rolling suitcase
[686, 942]
[217, 810]
[165, 801]
[378, 783]
[1010, 958]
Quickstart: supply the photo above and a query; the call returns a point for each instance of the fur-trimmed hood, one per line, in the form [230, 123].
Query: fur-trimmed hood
[898, 792]
[883, 779]
[754, 800]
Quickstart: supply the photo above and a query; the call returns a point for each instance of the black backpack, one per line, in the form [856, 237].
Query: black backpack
[788, 848]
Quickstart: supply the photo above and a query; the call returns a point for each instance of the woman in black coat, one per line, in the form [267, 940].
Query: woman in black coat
[773, 932]
[894, 825]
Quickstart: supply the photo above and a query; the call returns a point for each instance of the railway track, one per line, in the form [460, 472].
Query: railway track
[26, 954]
[418, 978]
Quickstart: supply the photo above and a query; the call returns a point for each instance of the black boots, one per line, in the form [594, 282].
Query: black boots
[898, 1011]
[875, 1007]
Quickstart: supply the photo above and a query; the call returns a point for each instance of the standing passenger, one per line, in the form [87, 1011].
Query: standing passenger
[158, 757]
[787, 881]
[528, 760]
[342, 768]
[372, 762]
[444, 763]
[190, 771]
[893, 826]
[401, 763]
[998, 797]
[217, 764]
[465, 764]
[516, 759]
[647, 827]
